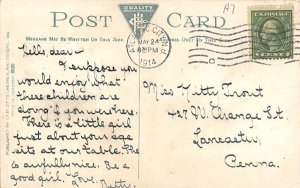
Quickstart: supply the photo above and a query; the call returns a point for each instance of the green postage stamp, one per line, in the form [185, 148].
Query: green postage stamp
[271, 32]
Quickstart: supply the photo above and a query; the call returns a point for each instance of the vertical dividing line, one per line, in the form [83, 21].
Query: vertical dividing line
[139, 127]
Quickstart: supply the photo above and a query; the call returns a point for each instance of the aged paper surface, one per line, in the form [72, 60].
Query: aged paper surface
[167, 94]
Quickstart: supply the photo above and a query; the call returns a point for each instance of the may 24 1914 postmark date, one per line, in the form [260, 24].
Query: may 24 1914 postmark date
[271, 31]
[150, 51]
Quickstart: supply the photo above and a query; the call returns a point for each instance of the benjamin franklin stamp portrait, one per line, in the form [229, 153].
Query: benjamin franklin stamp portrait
[271, 32]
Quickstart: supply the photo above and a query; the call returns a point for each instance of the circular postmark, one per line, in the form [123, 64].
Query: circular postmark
[152, 49]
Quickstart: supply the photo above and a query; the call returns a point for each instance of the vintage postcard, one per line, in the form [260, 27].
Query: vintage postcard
[150, 94]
